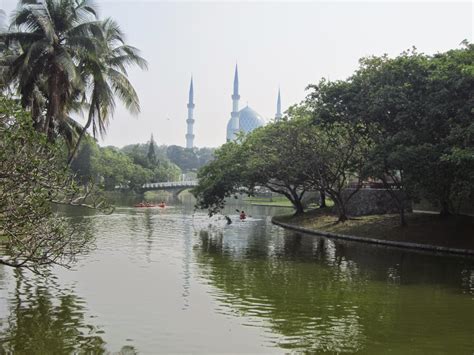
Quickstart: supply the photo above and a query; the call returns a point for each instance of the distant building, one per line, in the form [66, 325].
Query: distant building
[244, 120]
[190, 120]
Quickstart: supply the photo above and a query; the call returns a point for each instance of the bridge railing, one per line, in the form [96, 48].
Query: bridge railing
[170, 184]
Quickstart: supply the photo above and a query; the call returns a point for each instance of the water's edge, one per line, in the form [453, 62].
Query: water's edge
[392, 243]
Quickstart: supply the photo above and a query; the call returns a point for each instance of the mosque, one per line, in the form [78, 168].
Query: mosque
[244, 120]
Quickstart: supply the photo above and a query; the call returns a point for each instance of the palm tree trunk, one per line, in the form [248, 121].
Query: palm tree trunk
[78, 143]
[52, 112]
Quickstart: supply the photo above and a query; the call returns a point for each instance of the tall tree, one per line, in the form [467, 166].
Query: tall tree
[49, 37]
[67, 60]
[417, 109]
[278, 157]
[151, 154]
[104, 71]
[222, 178]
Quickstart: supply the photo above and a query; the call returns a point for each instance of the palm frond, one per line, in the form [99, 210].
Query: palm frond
[124, 90]
[70, 130]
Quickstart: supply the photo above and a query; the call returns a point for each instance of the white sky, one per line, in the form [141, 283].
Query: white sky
[286, 44]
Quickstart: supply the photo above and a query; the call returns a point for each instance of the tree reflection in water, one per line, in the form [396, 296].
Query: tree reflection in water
[45, 319]
[317, 295]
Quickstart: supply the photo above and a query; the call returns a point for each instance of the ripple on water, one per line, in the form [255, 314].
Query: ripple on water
[176, 281]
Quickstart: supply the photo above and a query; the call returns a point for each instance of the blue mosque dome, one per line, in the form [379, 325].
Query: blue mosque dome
[244, 120]
[248, 119]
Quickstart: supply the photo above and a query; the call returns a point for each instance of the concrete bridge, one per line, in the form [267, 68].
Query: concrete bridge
[175, 187]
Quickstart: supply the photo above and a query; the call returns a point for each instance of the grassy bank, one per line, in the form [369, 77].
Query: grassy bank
[453, 231]
[277, 201]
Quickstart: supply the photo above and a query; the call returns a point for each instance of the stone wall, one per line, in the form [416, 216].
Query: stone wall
[373, 201]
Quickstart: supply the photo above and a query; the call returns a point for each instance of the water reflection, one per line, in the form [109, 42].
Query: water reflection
[315, 294]
[44, 319]
[173, 280]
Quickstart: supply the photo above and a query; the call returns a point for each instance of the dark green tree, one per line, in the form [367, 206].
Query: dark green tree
[151, 155]
[83, 163]
[185, 158]
[417, 109]
[34, 178]
[223, 177]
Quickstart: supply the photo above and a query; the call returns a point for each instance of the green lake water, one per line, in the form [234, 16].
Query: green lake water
[173, 280]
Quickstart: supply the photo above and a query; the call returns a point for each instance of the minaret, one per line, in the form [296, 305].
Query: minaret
[278, 114]
[190, 120]
[235, 105]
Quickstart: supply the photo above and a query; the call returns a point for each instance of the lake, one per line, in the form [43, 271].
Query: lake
[174, 280]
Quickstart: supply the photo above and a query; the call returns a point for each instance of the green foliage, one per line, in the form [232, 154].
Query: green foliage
[151, 155]
[33, 178]
[83, 164]
[417, 109]
[62, 58]
[221, 178]
[126, 168]
[278, 157]
[406, 122]
[189, 159]
[288, 157]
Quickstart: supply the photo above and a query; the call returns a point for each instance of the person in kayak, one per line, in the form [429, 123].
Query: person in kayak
[242, 215]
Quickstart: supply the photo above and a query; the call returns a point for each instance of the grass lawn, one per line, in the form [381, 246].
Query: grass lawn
[453, 231]
[281, 201]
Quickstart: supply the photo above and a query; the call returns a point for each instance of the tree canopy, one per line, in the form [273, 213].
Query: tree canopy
[417, 109]
[290, 158]
[60, 58]
[34, 178]
[126, 168]
[404, 122]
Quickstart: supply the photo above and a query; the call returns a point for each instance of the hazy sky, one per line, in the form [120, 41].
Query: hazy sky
[286, 44]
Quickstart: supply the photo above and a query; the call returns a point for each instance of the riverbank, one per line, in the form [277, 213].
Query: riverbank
[424, 231]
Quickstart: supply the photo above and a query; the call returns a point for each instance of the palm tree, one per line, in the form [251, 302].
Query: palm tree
[105, 73]
[50, 36]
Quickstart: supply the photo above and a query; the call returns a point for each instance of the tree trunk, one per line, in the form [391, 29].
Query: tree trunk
[403, 221]
[341, 207]
[322, 196]
[445, 211]
[342, 217]
[296, 201]
[400, 206]
[298, 207]
[52, 111]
